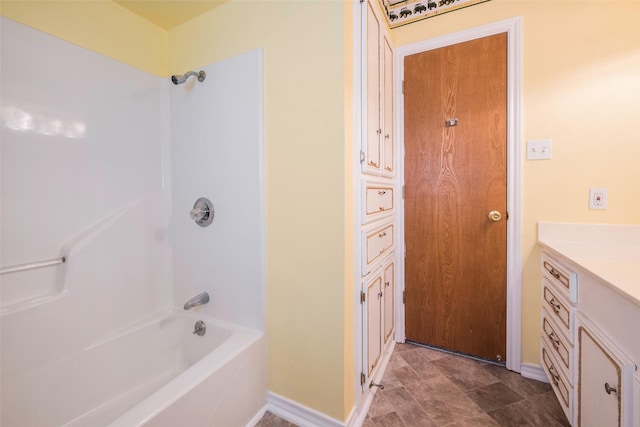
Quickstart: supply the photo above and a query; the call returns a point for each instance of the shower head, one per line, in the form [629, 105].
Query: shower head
[179, 79]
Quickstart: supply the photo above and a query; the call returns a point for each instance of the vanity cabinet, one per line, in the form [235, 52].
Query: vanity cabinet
[590, 342]
[378, 151]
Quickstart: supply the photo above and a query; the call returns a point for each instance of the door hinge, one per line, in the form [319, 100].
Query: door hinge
[403, 87]
[363, 297]
[404, 298]
[361, 156]
[403, 191]
[363, 378]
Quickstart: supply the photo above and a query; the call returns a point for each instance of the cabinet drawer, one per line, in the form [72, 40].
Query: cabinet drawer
[559, 309]
[375, 242]
[561, 275]
[377, 201]
[557, 343]
[560, 385]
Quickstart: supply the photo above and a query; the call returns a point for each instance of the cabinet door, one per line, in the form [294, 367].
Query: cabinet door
[372, 154]
[388, 300]
[388, 157]
[604, 380]
[373, 298]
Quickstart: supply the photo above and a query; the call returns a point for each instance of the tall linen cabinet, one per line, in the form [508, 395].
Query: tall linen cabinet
[378, 196]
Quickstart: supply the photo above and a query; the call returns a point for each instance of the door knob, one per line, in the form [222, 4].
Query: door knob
[495, 216]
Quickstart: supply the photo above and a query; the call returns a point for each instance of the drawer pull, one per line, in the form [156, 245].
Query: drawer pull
[374, 164]
[555, 305]
[554, 375]
[381, 235]
[379, 131]
[386, 284]
[381, 208]
[386, 136]
[380, 294]
[388, 168]
[554, 339]
[554, 273]
[381, 192]
[609, 389]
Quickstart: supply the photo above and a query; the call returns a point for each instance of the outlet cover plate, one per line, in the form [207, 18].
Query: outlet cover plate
[598, 198]
[538, 149]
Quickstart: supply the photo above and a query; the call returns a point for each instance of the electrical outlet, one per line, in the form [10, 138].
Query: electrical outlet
[597, 198]
[539, 149]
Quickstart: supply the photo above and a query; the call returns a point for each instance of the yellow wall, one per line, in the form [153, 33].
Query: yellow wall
[581, 88]
[309, 195]
[98, 25]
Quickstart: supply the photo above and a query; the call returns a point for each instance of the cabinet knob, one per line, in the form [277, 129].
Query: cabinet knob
[609, 389]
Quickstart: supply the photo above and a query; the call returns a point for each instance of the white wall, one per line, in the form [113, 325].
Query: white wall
[217, 153]
[81, 175]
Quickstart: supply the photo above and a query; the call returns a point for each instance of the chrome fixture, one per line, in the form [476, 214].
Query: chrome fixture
[179, 79]
[32, 265]
[202, 212]
[200, 328]
[199, 299]
[380, 386]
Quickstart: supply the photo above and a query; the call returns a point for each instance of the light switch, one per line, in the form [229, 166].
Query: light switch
[539, 149]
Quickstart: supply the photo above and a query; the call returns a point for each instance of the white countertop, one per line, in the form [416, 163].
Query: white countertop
[609, 252]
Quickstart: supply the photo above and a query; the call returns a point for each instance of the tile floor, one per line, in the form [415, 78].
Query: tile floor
[429, 388]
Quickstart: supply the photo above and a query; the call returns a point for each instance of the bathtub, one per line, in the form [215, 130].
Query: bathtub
[156, 373]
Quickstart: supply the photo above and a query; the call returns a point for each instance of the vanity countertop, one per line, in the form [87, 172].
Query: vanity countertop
[609, 252]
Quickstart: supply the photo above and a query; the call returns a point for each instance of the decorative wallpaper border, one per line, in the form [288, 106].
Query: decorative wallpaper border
[402, 12]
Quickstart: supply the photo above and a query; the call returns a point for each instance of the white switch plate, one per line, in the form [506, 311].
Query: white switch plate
[597, 198]
[539, 149]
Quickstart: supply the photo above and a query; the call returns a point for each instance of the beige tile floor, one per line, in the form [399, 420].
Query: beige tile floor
[425, 387]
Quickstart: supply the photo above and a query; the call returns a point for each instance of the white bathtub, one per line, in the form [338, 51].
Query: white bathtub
[157, 373]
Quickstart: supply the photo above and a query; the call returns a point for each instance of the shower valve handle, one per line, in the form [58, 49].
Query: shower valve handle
[197, 214]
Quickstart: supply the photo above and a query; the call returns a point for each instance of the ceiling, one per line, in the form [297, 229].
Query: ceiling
[169, 14]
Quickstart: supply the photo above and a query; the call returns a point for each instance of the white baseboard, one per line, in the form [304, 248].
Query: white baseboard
[535, 372]
[299, 414]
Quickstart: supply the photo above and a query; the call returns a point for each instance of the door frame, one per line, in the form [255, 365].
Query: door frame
[513, 28]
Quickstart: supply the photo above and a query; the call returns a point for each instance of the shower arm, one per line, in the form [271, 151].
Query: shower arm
[179, 79]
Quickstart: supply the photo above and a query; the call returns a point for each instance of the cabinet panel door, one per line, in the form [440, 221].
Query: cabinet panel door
[373, 323]
[373, 157]
[388, 290]
[598, 404]
[388, 157]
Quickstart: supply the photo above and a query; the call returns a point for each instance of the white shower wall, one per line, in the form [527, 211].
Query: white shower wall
[102, 162]
[217, 153]
[82, 140]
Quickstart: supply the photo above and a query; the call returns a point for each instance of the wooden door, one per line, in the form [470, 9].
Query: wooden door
[455, 175]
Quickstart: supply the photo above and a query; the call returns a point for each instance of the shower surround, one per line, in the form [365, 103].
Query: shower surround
[101, 163]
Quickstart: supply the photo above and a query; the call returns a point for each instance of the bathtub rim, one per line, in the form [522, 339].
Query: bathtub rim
[241, 339]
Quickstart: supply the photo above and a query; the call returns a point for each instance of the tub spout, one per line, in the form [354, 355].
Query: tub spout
[199, 299]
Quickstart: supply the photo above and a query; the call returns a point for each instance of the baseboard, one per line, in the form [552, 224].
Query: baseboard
[535, 372]
[299, 414]
[303, 416]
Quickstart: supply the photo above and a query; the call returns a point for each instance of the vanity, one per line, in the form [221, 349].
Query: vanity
[590, 320]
